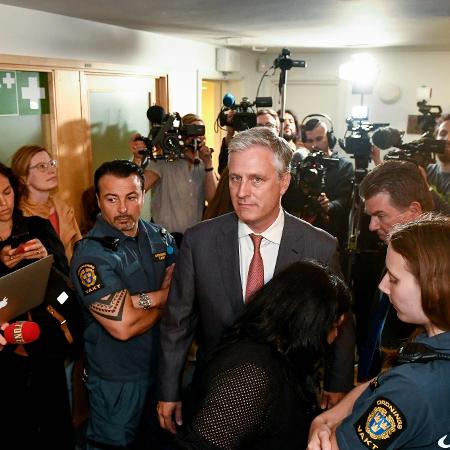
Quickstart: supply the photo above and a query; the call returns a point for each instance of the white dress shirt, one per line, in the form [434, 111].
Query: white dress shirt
[270, 246]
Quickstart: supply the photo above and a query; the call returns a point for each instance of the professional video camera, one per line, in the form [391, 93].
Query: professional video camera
[356, 140]
[427, 121]
[309, 176]
[166, 137]
[420, 151]
[243, 119]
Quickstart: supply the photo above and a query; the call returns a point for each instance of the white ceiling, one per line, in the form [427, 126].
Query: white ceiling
[272, 24]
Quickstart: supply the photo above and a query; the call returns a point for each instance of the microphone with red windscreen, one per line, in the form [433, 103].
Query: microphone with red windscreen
[22, 332]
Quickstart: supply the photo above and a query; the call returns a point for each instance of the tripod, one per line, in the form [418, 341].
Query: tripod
[354, 222]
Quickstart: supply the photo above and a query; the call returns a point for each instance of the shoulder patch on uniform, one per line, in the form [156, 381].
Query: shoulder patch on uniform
[89, 278]
[380, 425]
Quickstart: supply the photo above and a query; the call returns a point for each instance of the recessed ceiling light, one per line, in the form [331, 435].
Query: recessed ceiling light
[255, 48]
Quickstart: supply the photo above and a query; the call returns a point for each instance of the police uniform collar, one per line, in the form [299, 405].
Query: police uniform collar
[440, 342]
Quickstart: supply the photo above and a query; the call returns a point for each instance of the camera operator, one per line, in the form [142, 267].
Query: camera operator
[180, 187]
[335, 200]
[265, 117]
[438, 174]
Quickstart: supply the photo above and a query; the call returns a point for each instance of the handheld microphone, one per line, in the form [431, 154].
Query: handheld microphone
[228, 100]
[22, 332]
[155, 114]
[387, 137]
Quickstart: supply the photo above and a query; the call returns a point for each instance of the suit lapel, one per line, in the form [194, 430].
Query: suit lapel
[292, 245]
[228, 255]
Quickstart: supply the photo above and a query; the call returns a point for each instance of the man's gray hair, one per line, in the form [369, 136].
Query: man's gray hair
[264, 137]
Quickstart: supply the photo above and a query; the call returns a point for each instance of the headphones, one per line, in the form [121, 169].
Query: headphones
[331, 138]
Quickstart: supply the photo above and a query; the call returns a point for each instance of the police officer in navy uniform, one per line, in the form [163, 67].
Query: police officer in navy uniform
[122, 272]
[408, 406]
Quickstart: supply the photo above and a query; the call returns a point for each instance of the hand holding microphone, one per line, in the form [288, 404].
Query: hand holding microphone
[22, 332]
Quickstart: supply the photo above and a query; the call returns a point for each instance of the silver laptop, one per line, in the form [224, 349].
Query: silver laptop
[24, 288]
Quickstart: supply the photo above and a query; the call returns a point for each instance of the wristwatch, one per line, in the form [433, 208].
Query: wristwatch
[145, 302]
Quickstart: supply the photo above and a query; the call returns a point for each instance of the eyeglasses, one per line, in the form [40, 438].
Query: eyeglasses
[43, 167]
[266, 125]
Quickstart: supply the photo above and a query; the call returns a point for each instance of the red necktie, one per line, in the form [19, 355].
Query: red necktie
[255, 277]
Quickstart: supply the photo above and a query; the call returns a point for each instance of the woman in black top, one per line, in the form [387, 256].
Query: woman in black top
[33, 385]
[257, 390]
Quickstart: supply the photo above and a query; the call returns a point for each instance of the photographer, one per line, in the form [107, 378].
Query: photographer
[438, 174]
[266, 117]
[180, 187]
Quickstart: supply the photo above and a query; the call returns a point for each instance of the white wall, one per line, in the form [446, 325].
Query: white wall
[406, 69]
[39, 34]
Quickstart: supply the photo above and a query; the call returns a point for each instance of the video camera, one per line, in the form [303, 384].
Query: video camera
[166, 137]
[420, 151]
[309, 176]
[356, 140]
[427, 121]
[243, 119]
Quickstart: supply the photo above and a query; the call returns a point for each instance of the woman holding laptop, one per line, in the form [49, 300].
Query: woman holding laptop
[32, 380]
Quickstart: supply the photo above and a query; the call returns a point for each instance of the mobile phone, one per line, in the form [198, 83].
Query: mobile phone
[19, 238]
[21, 248]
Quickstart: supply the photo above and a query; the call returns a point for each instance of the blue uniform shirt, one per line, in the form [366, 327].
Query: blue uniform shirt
[407, 407]
[138, 265]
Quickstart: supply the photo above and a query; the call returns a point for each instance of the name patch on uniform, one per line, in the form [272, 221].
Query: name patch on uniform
[89, 278]
[380, 425]
[161, 256]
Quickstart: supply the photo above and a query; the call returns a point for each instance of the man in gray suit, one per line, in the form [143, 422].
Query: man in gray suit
[208, 290]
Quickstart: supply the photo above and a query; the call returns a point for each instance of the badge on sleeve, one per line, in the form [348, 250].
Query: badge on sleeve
[380, 425]
[89, 278]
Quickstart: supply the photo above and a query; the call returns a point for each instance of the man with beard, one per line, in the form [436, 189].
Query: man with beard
[291, 132]
[122, 271]
[438, 174]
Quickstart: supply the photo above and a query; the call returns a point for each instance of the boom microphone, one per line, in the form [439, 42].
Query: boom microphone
[22, 332]
[387, 137]
[155, 114]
